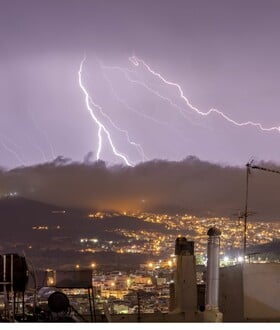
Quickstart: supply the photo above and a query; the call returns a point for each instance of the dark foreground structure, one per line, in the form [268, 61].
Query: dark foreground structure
[246, 292]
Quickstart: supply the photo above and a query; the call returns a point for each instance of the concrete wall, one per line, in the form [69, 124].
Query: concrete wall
[185, 286]
[250, 292]
[261, 291]
[231, 293]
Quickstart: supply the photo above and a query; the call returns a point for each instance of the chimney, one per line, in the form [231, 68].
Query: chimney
[212, 313]
[185, 279]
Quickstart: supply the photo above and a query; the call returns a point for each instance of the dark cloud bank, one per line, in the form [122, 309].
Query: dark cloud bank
[191, 185]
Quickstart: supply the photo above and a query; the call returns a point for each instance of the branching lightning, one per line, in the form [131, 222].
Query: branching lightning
[130, 108]
[127, 106]
[40, 150]
[142, 84]
[101, 127]
[136, 61]
[12, 151]
[44, 133]
[134, 144]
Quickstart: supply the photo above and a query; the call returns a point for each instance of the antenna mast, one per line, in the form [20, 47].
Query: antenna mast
[249, 166]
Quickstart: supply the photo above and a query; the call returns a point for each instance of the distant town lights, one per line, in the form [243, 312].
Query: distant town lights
[11, 194]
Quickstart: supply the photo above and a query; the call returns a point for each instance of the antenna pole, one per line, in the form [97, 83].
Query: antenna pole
[248, 165]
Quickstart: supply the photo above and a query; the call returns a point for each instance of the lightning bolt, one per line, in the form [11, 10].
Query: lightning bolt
[101, 127]
[44, 133]
[140, 83]
[13, 152]
[127, 106]
[130, 108]
[39, 150]
[136, 145]
[126, 72]
[136, 61]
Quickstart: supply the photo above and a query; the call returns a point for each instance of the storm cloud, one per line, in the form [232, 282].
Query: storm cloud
[190, 185]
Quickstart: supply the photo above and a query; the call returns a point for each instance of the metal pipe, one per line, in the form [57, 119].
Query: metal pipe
[12, 286]
[5, 284]
[212, 276]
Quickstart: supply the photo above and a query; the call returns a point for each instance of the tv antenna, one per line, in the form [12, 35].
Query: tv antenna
[250, 165]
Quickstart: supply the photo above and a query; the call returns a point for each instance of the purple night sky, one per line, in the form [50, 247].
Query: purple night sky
[224, 54]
